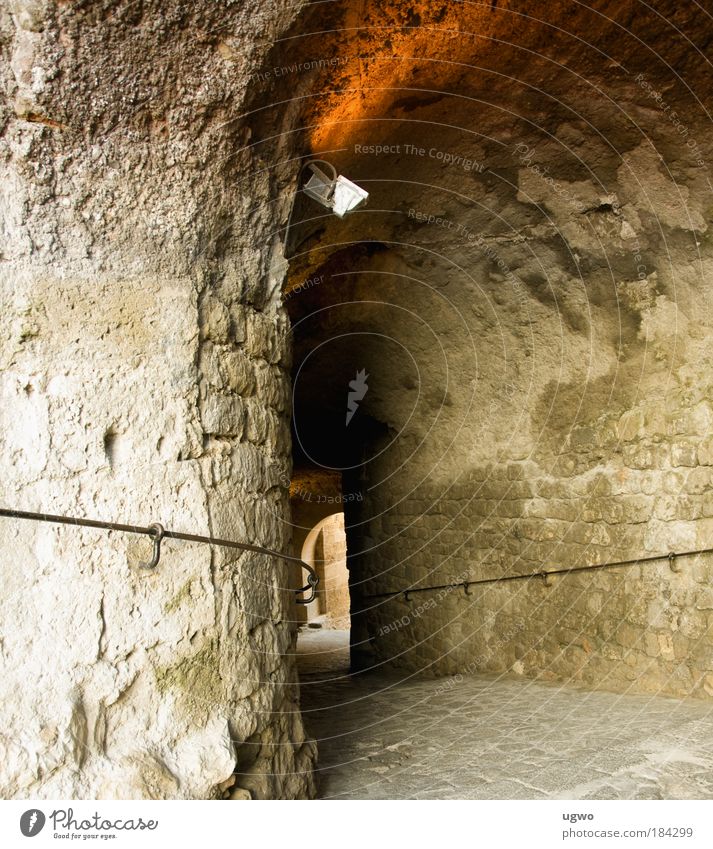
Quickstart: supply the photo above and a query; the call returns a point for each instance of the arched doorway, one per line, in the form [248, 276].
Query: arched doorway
[319, 539]
[325, 549]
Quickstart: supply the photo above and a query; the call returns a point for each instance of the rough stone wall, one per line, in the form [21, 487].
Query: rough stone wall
[144, 378]
[585, 439]
[336, 582]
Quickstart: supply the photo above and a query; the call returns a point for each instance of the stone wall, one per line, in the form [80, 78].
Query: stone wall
[564, 420]
[336, 581]
[144, 378]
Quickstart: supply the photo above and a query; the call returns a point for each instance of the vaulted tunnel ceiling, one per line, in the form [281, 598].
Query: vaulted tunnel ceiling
[523, 163]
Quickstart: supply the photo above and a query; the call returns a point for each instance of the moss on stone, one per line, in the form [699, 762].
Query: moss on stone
[195, 678]
[182, 595]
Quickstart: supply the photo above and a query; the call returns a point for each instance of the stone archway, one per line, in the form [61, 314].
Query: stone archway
[325, 549]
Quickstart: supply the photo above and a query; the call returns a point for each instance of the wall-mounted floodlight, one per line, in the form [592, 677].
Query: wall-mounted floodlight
[329, 189]
[335, 192]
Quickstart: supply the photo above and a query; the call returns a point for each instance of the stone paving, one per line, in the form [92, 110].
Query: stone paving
[385, 735]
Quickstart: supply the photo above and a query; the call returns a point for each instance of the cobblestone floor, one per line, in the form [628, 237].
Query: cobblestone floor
[386, 736]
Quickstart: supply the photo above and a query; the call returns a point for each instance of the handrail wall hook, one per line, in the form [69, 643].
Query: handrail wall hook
[312, 584]
[157, 532]
[672, 562]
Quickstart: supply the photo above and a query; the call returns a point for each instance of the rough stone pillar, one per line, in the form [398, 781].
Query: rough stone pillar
[144, 378]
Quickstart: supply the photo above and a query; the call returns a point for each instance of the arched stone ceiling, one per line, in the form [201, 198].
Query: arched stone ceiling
[524, 161]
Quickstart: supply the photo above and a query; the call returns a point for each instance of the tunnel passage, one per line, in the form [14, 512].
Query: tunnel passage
[504, 357]
[526, 292]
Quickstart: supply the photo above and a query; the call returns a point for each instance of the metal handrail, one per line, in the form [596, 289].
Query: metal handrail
[545, 573]
[158, 533]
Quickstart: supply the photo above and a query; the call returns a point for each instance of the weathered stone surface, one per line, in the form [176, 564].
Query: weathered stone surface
[139, 308]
